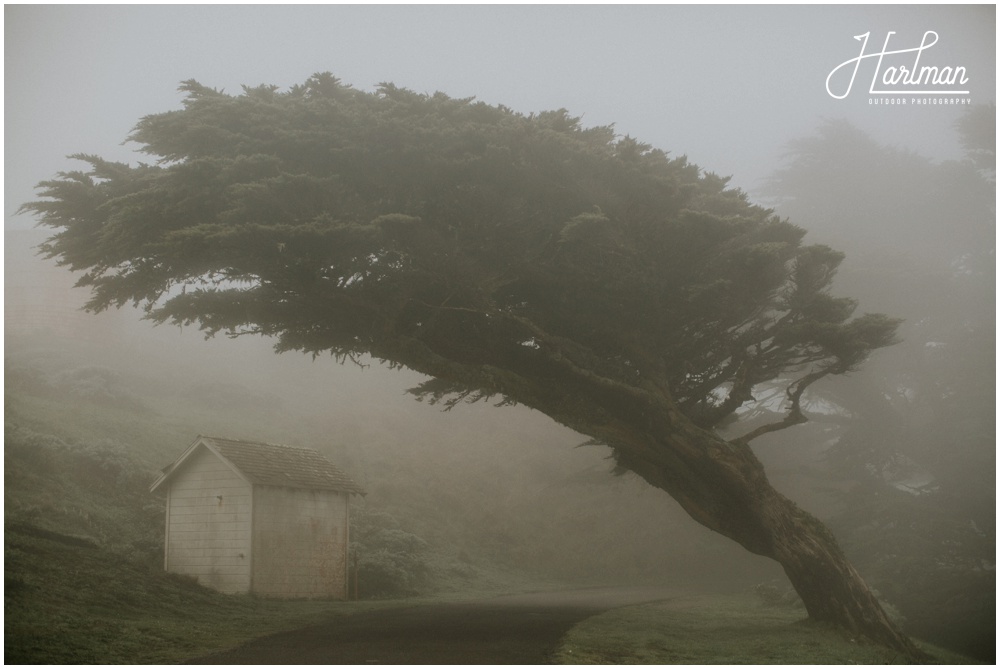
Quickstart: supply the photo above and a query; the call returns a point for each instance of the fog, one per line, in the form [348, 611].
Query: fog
[491, 490]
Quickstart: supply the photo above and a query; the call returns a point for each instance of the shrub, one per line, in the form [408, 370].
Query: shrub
[387, 560]
[776, 594]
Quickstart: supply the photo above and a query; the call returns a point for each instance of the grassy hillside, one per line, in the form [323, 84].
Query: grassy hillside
[495, 486]
[68, 601]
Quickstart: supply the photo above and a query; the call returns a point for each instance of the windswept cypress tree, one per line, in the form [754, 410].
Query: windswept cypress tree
[624, 293]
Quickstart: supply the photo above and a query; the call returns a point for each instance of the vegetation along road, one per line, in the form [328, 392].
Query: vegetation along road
[514, 629]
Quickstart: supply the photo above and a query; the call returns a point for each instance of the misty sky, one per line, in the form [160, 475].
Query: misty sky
[726, 85]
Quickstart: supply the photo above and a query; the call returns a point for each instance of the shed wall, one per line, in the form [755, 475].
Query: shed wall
[300, 542]
[209, 524]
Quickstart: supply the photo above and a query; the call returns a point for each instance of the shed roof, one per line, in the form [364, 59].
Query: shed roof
[270, 464]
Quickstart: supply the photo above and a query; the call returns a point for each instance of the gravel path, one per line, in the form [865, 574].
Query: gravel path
[517, 629]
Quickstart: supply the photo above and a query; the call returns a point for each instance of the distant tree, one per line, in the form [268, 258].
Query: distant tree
[855, 192]
[895, 201]
[918, 435]
[977, 129]
[624, 293]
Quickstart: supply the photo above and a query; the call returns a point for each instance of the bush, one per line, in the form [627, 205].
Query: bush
[94, 490]
[387, 561]
[776, 594]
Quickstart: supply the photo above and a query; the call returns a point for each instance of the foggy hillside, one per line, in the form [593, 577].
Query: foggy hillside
[505, 485]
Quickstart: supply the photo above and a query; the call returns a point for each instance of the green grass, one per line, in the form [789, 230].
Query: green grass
[67, 601]
[719, 629]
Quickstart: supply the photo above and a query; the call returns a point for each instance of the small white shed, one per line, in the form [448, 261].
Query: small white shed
[251, 517]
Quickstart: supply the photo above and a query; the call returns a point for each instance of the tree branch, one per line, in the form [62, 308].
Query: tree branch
[794, 416]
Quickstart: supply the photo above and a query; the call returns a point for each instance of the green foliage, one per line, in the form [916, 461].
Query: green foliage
[455, 238]
[91, 489]
[387, 560]
[95, 384]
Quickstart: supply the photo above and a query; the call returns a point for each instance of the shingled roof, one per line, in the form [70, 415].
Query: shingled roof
[271, 465]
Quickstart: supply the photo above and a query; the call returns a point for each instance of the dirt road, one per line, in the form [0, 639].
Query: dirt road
[518, 629]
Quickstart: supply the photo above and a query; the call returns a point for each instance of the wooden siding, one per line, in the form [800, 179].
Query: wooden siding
[209, 524]
[300, 542]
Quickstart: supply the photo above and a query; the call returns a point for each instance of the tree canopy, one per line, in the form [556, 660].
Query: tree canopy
[417, 227]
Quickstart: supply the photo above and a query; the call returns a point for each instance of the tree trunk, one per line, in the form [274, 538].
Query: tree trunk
[723, 486]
